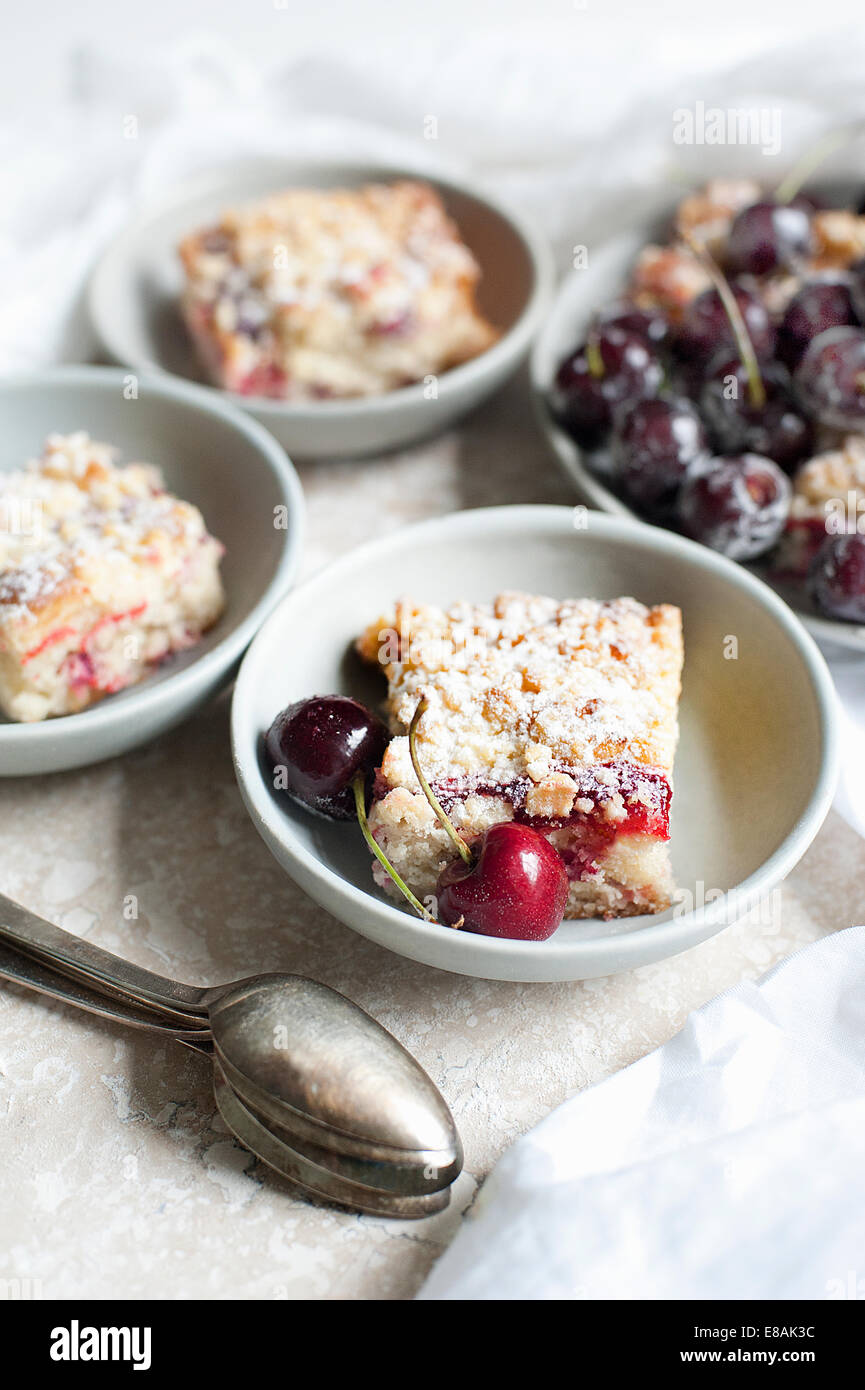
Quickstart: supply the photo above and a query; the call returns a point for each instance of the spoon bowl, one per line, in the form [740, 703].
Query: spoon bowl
[275, 1148]
[311, 1076]
[308, 1058]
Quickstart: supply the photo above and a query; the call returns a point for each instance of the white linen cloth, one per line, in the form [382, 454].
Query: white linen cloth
[728, 1163]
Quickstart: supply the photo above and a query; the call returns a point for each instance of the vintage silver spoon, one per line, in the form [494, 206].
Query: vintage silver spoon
[298, 1054]
[358, 1190]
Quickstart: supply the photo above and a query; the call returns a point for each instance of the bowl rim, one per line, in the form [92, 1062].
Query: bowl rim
[571, 457]
[106, 715]
[514, 341]
[676, 933]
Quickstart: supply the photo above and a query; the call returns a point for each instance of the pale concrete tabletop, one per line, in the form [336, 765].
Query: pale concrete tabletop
[120, 1179]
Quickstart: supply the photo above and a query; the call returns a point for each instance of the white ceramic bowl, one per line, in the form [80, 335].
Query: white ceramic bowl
[757, 761]
[212, 455]
[579, 297]
[134, 292]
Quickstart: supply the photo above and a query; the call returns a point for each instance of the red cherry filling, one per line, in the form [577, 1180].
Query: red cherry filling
[318, 746]
[625, 800]
[267, 379]
[516, 888]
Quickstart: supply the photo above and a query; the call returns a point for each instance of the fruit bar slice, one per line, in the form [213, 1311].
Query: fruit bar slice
[560, 715]
[315, 293]
[102, 574]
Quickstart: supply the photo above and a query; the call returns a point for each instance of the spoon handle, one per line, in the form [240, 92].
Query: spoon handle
[23, 970]
[90, 963]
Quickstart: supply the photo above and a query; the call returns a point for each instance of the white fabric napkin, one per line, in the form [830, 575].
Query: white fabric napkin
[728, 1164]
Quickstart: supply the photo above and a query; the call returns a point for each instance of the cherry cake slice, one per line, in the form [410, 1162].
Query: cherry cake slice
[103, 574]
[558, 715]
[313, 294]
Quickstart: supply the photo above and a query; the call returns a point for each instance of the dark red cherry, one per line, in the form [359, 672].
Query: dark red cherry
[706, 330]
[777, 429]
[819, 305]
[317, 746]
[769, 236]
[808, 202]
[857, 288]
[656, 442]
[830, 379]
[735, 505]
[837, 578]
[517, 887]
[649, 324]
[612, 369]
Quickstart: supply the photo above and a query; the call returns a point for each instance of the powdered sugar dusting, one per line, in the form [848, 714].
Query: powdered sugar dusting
[528, 686]
[333, 292]
[73, 509]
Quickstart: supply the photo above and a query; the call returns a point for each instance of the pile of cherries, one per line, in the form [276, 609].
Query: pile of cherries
[699, 424]
[324, 753]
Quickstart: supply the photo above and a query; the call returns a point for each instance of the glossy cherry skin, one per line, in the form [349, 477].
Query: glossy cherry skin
[736, 505]
[656, 442]
[830, 379]
[776, 430]
[319, 745]
[706, 330]
[857, 287]
[819, 305]
[649, 324]
[585, 402]
[837, 577]
[517, 887]
[768, 236]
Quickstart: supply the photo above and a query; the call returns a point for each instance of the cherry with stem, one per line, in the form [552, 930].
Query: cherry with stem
[358, 786]
[514, 884]
[444, 820]
[756, 389]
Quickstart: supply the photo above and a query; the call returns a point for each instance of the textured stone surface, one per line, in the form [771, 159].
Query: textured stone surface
[119, 1178]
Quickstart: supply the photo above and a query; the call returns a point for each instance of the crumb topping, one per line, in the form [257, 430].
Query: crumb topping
[335, 291]
[531, 688]
[828, 478]
[74, 518]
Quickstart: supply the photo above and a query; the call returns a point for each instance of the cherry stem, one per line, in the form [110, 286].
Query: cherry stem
[756, 389]
[358, 786]
[813, 157]
[594, 358]
[444, 820]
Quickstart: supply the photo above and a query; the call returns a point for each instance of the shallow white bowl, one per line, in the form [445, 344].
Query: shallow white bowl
[757, 761]
[212, 455]
[579, 297]
[133, 299]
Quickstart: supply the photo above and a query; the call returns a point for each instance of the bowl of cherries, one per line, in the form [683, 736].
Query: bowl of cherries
[708, 375]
